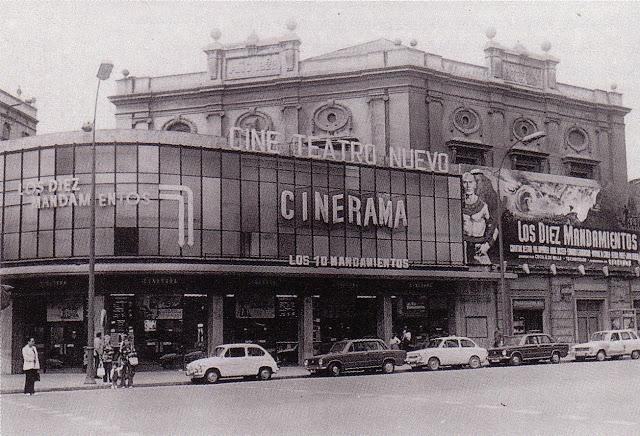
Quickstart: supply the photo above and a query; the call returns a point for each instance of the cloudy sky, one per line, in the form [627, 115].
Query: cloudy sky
[52, 50]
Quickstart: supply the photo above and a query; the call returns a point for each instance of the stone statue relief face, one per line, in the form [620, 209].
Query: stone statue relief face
[469, 183]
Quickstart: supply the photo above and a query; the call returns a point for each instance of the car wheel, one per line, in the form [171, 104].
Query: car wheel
[434, 364]
[474, 362]
[335, 369]
[388, 367]
[601, 356]
[515, 360]
[555, 357]
[212, 376]
[635, 354]
[264, 374]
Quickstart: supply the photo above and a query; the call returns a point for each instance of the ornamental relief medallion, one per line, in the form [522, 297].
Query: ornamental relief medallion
[523, 127]
[466, 120]
[577, 139]
[331, 118]
[255, 120]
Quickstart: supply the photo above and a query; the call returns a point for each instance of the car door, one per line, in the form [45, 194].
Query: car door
[234, 362]
[546, 346]
[467, 349]
[255, 359]
[530, 348]
[450, 352]
[375, 354]
[355, 356]
[616, 345]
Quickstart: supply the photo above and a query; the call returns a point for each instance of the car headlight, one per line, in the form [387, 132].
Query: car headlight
[504, 352]
[306, 363]
[320, 362]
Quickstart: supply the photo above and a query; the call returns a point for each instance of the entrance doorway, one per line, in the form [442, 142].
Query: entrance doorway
[66, 343]
[589, 313]
[528, 316]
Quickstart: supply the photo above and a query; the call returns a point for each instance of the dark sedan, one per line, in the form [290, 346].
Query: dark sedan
[356, 354]
[530, 347]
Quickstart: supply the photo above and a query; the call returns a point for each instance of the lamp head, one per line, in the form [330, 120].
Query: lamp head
[105, 70]
[525, 268]
[553, 268]
[534, 136]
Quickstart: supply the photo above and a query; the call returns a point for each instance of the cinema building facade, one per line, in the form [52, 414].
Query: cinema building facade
[294, 202]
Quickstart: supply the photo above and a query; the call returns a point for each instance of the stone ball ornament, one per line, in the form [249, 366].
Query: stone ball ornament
[491, 32]
[125, 73]
[397, 41]
[216, 34]
[87, 127]
[545, 46]
[614, 86]
[291, 25]
[413, 42]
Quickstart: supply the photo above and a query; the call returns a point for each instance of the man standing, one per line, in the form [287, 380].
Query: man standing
[30, 366]
[98, 347]
[478, 226]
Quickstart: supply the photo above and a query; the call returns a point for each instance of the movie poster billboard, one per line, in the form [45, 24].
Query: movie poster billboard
[546, 219]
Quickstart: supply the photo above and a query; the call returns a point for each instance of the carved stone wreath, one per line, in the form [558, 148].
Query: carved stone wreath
[180, 124]
[331, 118]
[254, 119]
[577, 139]
[466, 120]
[523, 127]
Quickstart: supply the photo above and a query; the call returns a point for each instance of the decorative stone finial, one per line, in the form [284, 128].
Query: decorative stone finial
[125, 73]
[413, 42]
[87, 127]
[490, 32]
[545, 46]
[520, 49]
[216, 34]
[614, 86]
[291, 25]
[252, 39]
[397, 41]
[19, 91]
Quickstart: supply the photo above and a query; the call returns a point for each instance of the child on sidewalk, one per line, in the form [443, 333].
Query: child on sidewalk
[117, 373]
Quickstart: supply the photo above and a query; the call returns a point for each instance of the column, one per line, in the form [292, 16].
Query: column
[305, 328]
[384, 318]
[290, 124]
[6, 321]
[215, 320]
[214, 123]
[377, 118]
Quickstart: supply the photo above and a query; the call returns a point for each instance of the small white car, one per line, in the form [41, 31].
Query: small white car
[448, 351]
[233, 360]
[609, 343]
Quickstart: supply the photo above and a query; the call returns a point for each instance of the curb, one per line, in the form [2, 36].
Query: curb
[140, 385]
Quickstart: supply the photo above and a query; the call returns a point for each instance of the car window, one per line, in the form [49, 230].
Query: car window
[434, 343]
[625, 336]
[235, 352]
[467, 343]
[219, 351]
[338, 347]
[451, 343]
[531, 340]
[373, 346]
[615, 337]
[633, 335]
[544, 339]
[357, 347]
[252, 351]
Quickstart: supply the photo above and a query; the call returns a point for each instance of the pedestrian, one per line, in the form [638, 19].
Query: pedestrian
[116, 373]
[498, 339]
[97, 351]
[394, 343]
[406, 339]
[129, 361]
[107, 358]
[30, 366]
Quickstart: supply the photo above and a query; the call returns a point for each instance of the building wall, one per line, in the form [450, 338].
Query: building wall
[17, 117]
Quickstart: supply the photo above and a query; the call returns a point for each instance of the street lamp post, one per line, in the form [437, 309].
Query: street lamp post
[103, 74]
[525, 140]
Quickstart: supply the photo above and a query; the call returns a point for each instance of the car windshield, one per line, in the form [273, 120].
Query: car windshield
[598, 336]
[434, 343]
[338, 347]
[218, 352]
[512, 340]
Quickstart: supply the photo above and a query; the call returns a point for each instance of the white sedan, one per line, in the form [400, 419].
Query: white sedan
[449, 351]
[233, 360]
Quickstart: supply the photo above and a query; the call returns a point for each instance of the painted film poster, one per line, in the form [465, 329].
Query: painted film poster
[546, 219]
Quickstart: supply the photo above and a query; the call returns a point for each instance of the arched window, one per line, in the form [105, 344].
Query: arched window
[179, 126]
[6, 132]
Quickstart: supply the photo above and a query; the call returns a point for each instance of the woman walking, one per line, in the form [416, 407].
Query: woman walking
[129, 360]
[31, 366]
[107, 358]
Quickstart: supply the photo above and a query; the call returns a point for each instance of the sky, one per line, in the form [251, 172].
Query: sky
[52, 50]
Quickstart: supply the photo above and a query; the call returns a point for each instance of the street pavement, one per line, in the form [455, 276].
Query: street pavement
[590, 398]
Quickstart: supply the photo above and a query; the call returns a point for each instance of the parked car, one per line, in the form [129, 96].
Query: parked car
[529, 347]
[356, 354]
[609, 343]
[233, 360]
[448, 351]
[179, 360]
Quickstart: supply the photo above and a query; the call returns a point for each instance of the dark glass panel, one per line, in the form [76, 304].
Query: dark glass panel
[210, 243]
[250, 207]
[29, 244]
[45, 244]
[148, 158]
[125, 241]
[30, 164]
[104, 242]
[169, 242]
[191, 162]
[230, 165]
[47, 162]
[105, 158]
[83, 160]
[210, 163]
[169, 160]
[63, 243]
[81, 242]
[230, 204]
[148, 242]
[211, 202]
[13, 166]
[231, 243]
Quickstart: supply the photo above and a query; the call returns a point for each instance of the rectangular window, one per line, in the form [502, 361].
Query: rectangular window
[529, 163]
[125, 241]
[469, 156]
[581, 170]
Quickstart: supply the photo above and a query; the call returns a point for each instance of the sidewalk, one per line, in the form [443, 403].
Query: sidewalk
[58, 381]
